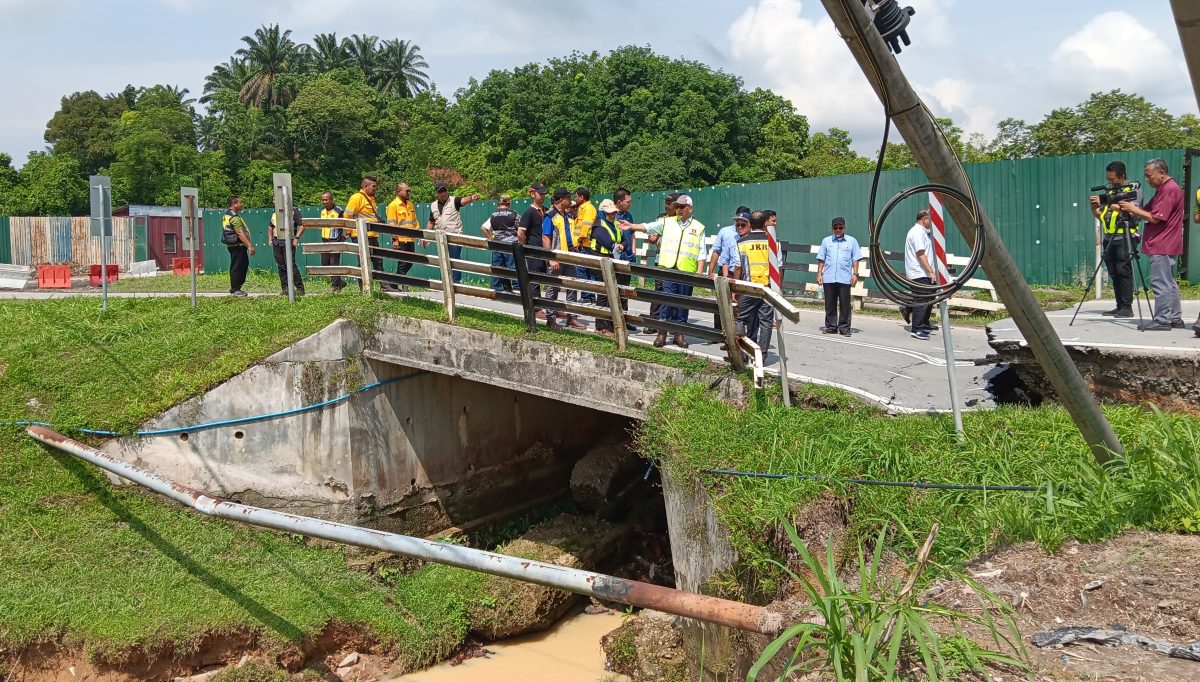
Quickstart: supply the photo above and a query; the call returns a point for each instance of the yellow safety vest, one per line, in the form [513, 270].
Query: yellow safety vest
[403, 214]
[612, 233]
[680, 246]
[332, 233]
[1109, 214]
[562, 225]
[757, 251]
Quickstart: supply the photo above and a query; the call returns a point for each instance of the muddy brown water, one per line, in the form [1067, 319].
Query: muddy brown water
[568, 652]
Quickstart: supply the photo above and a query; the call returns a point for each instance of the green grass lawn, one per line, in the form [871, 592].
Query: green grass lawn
[115, 569]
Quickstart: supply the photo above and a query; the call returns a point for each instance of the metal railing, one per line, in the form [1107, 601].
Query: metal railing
[609, 285]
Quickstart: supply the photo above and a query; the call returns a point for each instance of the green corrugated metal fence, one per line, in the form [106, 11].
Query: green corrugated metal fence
[1038, 206]
[5, 241]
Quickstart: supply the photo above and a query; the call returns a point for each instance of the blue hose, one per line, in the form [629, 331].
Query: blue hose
[231, 422]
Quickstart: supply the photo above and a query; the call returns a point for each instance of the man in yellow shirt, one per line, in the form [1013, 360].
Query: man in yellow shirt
[332, 234]
[402, 213]
[362, 205]
[581, 233]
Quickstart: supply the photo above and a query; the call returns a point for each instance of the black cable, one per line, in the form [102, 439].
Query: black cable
[867, 481]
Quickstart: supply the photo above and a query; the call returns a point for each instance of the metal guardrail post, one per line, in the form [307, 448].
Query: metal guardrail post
[522, 268]
[446, 270]
[729, 322]
[614, 302]
[687, 604]
[364, 256]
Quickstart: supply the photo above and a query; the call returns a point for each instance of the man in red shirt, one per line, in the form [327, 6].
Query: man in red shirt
[1162, 240]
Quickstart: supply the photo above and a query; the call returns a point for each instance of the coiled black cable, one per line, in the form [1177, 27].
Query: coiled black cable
[891, 283]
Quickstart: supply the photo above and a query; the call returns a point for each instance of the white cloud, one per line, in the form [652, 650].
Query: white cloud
[957, 99]
[806, 61]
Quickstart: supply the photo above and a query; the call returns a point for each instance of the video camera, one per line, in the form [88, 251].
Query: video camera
[1111, 197]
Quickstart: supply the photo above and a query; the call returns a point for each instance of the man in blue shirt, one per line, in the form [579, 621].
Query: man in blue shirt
[725, 255]
[623, 199]
[837, 271]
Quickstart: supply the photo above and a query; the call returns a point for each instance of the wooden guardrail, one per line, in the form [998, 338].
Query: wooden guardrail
[609, 285]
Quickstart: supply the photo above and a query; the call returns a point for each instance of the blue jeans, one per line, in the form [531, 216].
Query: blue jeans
[456, 253]
[503, 260]
[670, 313]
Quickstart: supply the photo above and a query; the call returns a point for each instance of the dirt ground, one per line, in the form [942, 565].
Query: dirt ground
[1149, 583]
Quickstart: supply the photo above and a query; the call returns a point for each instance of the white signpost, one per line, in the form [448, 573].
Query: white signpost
[943, 275]
[100, 191]
[189, 215]
[283, 223]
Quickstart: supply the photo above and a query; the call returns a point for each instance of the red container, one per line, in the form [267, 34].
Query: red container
[94, 274]
[181, 266]
[54, 276]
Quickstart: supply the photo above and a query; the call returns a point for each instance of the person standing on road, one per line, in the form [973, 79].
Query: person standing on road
[837, 272]
[681, 248]
[502, 227]
[623, 200]
[331, 235]
[235, 234]
[725, 256]
[529, 233]
[279, 249]
[754, 264]
[1117, 257]
[401, 212]
[606, 242]
[583, 221]
[1163, 243]
[556, 235]
[653, 231]
[362, 205]
[444, 215]
[917, 247]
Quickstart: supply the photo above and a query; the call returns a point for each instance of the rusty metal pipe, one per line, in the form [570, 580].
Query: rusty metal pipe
[687, 604]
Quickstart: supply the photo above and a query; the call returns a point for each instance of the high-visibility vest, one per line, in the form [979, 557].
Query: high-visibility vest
[562, 227]
[1109, 214]
[613, 234]
[228, 234]
[403, 214]
[333, 234]
[680, 246]
[581, 225]
[756, 249]
[372, 217]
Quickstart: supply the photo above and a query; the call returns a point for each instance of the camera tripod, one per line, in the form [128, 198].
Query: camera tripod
[1132, 252]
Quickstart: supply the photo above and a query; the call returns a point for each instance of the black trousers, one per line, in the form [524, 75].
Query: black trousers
[333, 259]
[281, 262]
[837, 306]
[376, 263]
[239, 264]
[1120, 269]
[402, 267]
[920, 313]
[758, 317]
[602, 301]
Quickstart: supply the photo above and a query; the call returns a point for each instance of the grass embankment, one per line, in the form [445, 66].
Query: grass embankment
[689, 430]
[117, 570]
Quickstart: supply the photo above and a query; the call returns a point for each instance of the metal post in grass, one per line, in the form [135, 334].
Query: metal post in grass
[187, 212]
[446, 269]
[101, 209]
[783, 370]
[937, 160]
[364, 256]
[283, 219]
[948, 343]
[614, 302]
[522, 267]
[728, 322]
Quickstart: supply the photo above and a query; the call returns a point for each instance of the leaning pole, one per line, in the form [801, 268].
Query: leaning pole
[938, 162]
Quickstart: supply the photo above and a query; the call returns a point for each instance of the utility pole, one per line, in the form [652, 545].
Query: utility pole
[937, 160]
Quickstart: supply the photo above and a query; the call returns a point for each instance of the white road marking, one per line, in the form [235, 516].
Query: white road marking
[916, 355]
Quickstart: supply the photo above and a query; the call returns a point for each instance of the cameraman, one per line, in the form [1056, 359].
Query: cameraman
[1164, 242]
[1115, 249]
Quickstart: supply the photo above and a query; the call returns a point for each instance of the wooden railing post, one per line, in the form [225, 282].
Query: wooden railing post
[364, 256]
[446, 270]
[729, 322]
[614, 302]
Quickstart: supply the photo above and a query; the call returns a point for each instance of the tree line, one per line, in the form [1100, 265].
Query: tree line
[334, 109]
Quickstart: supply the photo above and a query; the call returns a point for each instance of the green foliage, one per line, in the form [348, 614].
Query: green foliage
[49, 185]
[830, 154]
[85, 127]
[252, 671]
[877, 630]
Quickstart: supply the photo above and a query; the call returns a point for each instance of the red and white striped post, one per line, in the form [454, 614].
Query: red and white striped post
[943, 276]
[776, 261]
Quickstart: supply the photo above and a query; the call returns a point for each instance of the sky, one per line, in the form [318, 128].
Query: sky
[975, 61]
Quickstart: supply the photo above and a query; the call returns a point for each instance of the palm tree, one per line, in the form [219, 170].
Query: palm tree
[230, 76]
[327, 53]
[269, 54]
[363, 52]
[400, 69]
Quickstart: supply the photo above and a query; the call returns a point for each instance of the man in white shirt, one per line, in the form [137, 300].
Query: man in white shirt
[917, 248]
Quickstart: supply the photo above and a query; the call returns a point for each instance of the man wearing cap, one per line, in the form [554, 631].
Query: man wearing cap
[623, 200]
[653, 230]
[606, 242]
[444, 215]
[681, 248]
[724, 256]
[502, 227]
[362, 205]
[556, 235]
[837, 272]
[754, 250]
[402, 213]
[529, 232]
